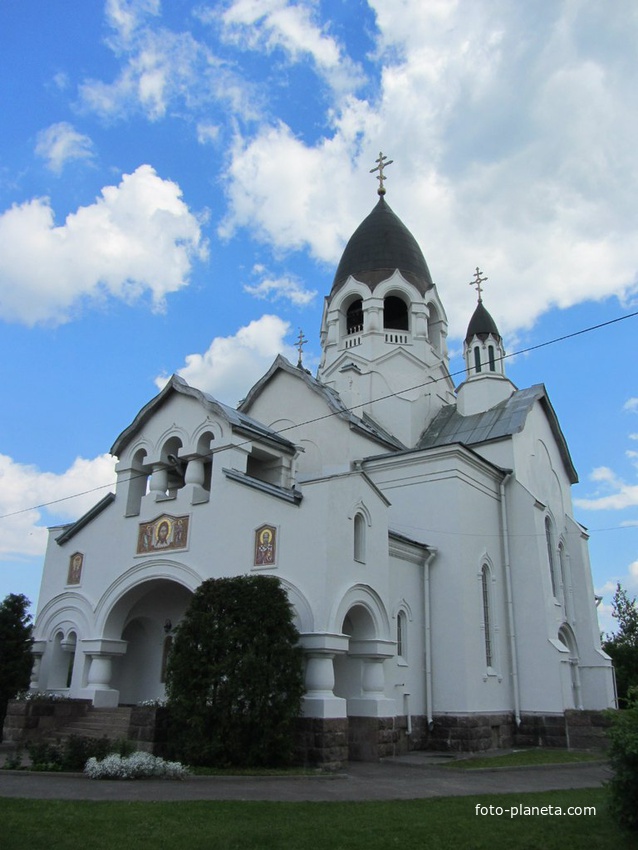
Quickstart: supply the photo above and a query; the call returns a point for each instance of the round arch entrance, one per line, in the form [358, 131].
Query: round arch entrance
[144, 619]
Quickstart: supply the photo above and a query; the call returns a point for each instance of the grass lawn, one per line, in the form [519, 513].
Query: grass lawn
[438, 824]
[524, 758]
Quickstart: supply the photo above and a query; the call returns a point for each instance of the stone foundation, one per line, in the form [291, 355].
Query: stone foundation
[330, 742]
[471, 733]
[322, 741]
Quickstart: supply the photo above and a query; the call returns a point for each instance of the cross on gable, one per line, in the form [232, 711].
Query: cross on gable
[301, 341]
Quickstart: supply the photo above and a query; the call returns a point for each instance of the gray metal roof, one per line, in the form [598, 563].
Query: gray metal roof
[237, 420]
[501, 421]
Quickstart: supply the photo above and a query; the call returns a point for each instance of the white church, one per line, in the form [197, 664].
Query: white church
[424, 532]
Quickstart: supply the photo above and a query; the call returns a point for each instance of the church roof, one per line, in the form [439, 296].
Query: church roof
[481, 324]
[365, 425]
[502, 420]
[235, 418]
[380, 245]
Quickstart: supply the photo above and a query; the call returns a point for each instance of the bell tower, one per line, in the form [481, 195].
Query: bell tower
[384, 329]
[485, 382]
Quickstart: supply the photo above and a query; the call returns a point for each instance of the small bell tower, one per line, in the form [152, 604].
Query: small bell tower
[485, 382]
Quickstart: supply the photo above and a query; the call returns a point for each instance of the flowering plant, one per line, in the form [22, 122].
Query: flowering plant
[138, 765]
[41, 696]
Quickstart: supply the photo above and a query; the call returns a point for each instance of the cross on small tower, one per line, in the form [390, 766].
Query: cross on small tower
[382, 161]
[301, 341]
[478, 280]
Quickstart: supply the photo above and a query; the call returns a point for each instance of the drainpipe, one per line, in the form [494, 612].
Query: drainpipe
[509, 601]
[427, 637]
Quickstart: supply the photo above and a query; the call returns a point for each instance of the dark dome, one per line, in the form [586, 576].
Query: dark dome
[380, 245]
[481, 324]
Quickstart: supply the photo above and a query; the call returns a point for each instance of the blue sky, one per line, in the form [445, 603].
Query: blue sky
[178, 180]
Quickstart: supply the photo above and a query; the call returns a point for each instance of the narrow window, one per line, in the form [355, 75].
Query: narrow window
[550, 555]
[490, 356]
[401, 635]
[477, 359]
[487, 624]
[359, 538]
[563, 577]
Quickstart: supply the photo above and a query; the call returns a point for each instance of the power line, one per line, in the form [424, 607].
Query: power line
[329, 415]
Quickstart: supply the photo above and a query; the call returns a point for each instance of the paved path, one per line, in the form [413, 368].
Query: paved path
[408, 777]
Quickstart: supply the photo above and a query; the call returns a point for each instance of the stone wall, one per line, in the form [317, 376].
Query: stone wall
[36, 719]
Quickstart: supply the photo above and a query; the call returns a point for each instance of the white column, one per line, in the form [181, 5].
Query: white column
[372, 701]
[98, 688]
[320, 650]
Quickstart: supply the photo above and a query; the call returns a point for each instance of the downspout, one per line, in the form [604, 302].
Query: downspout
[509, 601]
[427, 637]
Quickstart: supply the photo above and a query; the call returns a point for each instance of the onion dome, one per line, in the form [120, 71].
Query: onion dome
[481, 325]
[378, 247]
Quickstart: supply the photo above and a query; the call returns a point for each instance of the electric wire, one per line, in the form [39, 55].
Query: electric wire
[346, 410]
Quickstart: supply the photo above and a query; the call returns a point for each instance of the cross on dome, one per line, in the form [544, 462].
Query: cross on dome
[382, 161]
[478, 280]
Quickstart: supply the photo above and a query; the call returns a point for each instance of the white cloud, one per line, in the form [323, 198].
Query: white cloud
[159, 69]
[619, 495]
[632, 405]
[281, 288]
[138, 237]
[232, 364]
[511, 139]
[271, 24]
[61, 143]
[23, 488]
[207, 133]
[126, 16]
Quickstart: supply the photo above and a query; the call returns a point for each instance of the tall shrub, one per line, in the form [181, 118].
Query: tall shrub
[16, 660]
[623, 757]
[234, 677]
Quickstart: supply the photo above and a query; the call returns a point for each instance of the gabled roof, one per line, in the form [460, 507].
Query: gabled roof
[364, 425]
[72, 528]
[502, 420]
[176, 385]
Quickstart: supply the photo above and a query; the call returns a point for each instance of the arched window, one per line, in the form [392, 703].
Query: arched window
[564, 584]
[395, 314]
[354, 317]
[402, 634]
[477, 358]
[550, 555]
[359, 538]
[487, 615]
[491, 358]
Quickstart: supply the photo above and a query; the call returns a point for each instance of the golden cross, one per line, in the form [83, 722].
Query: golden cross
[301, 341]
[478, 280]
[382, 161]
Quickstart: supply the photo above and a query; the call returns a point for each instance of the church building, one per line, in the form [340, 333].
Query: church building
[424, 532]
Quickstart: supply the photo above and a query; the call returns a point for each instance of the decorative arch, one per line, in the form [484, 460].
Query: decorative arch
[362, 595]
[137, 577]
[304, 618]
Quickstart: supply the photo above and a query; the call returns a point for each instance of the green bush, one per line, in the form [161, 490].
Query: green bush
[623, 756]
[234, 678]
[73, 753]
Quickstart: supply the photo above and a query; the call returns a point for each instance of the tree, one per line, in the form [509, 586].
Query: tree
[234, 676]
[622, 647]
[16, 660]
